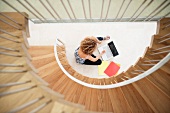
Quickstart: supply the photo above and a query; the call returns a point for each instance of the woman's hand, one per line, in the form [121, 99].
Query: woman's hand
[103, 52]
[95, 59]
[99, 42]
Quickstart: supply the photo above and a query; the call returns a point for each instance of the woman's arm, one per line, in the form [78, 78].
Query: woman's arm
[95, 59]
[96, 39]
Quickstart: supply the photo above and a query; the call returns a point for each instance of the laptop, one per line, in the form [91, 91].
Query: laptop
[110, 49]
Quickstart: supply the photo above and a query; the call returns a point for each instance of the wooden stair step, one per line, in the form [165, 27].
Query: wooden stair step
[153, 96]
[135, 100]
[35, 105]
[4, 55]
[86, 111]
[15, 33]
[14, 100]
[88, 99]
[77, 94]
[118, 78]
[50, 70]
[18, 18]
[24, 64]
[49, 96]
[164, 21]
[143, 67]
[42, 62]
[11, 42]
[47, 65]
[149, 91]
[118, 101]
[160, 31]
[7, 78]
[20, 61]
[36, 51]
[55, 74]
[73, 92]
[106, 101]
[16, 87]
[157, 53]
[166, 67]
[82, 96]
[155, 43]
[164, 31]
[153, 57]
[107, 81]
[64, 87]
[71, 71]
[47, 92]
[53, 78]
[15, 16]
[36, 78]
[59, 82]
[7, 40]
[130, 70]
[12, 45]
[10, 52]
[161, 80]
[47, 108]
[93, 105]
[15, 78]
[69, 89]
[63, 108]
[12, 27]
[18, 34]
[74, 105]
[43, 56]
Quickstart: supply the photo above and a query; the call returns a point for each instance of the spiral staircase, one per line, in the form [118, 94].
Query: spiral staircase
[31, 80]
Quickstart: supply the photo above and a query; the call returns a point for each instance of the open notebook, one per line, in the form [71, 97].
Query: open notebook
[110, 49]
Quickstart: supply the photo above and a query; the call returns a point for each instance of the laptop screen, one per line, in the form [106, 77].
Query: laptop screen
[113, 48]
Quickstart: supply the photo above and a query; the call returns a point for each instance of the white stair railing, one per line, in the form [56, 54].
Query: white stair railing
[45, 11]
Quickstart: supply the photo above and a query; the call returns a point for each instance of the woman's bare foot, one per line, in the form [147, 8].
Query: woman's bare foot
[107, 38]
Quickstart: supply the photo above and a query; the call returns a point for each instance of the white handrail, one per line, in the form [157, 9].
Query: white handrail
[140, 76]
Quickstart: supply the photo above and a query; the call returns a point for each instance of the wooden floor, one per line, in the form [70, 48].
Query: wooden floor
[140, 96]
[16, 17]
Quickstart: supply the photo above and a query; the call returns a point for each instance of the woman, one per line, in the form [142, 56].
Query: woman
[84, 53]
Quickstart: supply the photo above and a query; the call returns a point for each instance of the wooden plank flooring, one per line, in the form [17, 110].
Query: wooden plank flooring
[135, 100]
[118, 100]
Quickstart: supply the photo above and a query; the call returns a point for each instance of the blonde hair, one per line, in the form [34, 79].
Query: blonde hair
[88, 45]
